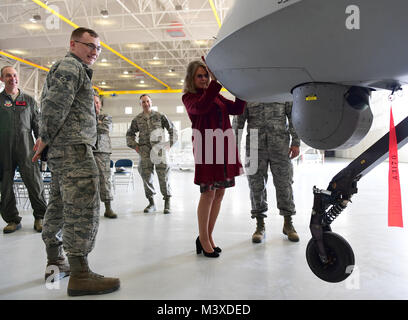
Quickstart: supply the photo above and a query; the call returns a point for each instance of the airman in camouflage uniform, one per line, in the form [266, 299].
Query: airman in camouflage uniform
[102, 157]
[19, 116]
[273, 123]
[68, 128]
[150, 125]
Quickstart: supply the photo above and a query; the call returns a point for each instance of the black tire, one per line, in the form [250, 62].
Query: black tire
[340, 256]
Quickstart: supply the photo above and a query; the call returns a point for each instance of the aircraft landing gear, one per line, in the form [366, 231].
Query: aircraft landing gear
[340, 258]
[329, 255]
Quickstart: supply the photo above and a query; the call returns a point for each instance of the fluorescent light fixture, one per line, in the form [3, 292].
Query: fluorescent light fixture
[17, 51]
[104, 22]
[180, 109]
[135, 45]
[128, 110]
[155, 108]
[32, 26]
[201, 42]
[104, 60]
[155, 62]
[125, 72]
[141, 81]
[104, 64]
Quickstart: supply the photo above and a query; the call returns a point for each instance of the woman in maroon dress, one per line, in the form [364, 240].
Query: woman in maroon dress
[215, 152]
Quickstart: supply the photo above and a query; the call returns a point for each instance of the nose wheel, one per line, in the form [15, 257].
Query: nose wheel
[340, 258]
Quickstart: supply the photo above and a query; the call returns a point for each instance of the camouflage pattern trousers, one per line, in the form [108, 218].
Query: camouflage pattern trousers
[102, 160]
[276, 158]
[73, 207]
[146, 167]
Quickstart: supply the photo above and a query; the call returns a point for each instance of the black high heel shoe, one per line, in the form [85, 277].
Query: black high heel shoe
[217, 249]
[199, 248]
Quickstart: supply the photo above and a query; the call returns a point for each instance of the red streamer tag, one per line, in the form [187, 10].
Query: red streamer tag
[394, 188]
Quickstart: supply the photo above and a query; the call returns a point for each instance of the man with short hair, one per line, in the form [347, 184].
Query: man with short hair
[68, 127]
[18, 120]
[278, 143]
[150, 126]
[102, 157]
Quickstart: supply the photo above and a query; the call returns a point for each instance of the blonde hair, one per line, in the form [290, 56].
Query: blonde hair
[192, 68]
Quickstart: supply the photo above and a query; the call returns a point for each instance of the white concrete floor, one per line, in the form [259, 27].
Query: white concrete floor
[154, 254]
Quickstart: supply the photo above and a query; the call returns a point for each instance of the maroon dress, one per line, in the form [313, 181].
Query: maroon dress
[216, 163]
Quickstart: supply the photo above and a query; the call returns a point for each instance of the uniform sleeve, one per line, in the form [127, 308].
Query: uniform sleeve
[199, 105]
[238, 123]
[104, 124]
[292, 132]
[62, 86]
[171, 129]
[131, 135]
[35, 118]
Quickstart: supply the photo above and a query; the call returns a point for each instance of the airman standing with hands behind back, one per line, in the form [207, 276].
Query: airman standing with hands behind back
[152, 150]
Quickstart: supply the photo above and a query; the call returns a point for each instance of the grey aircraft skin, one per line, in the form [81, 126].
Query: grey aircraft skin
[313, 52]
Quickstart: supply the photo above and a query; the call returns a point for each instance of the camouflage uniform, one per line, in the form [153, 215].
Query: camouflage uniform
[156, 122]
[273, 149]
[102, 156]
[18, 119]
[68, 126]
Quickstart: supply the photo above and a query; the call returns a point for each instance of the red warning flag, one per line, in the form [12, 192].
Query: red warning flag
[394, 188]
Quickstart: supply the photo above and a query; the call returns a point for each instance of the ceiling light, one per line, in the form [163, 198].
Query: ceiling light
[156, 57]
[104, 22]
[200, 42]
[104, 64]
[104, 60]
[35, 18]
[182, 80]
[31, 26]
[135, 45]
[141, 81]
[125, 72]
[103, 82]
[17, 51]
[171, 70]
[105, 13]
[156, 62]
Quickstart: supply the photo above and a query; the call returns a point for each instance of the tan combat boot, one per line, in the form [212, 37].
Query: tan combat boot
[109, 212]
[259, 233]
[167, 205]
[151, 207]
[85, 282]
[57, 266]
[11, 227]
[38, 225]
[289, 229]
